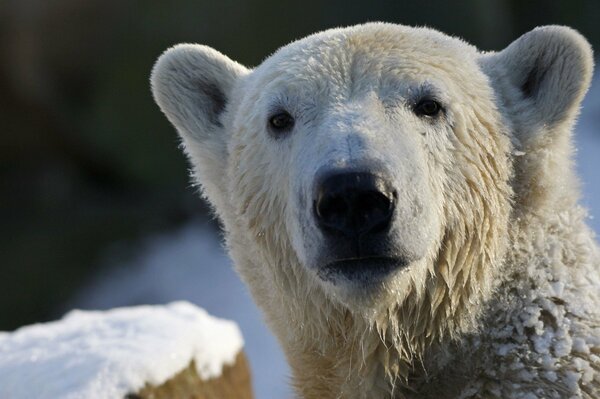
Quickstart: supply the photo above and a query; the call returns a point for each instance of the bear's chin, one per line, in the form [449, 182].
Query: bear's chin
[365, 285]
[362, 272]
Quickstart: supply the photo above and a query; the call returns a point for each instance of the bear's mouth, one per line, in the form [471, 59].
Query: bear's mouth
[361, 270]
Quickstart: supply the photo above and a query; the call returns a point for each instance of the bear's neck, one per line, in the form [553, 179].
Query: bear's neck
[337, 354]
[356, 360]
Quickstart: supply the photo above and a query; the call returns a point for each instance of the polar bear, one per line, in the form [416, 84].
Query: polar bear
[403, 207]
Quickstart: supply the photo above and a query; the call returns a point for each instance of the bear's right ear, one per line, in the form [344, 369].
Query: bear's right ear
[193, 84]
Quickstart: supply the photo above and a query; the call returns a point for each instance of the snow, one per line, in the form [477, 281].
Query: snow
[93, 354]
[190, 264]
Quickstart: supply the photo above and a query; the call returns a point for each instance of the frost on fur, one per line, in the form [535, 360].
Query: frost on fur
[438, 263]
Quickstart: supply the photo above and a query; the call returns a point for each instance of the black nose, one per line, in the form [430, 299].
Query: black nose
[353, 204]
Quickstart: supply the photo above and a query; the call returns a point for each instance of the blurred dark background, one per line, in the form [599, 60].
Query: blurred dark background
[87, 159]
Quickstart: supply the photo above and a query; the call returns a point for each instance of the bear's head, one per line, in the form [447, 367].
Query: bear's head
[369, 176]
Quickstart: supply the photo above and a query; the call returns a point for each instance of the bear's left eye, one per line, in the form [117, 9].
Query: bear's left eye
[427, 107]
[281, 122]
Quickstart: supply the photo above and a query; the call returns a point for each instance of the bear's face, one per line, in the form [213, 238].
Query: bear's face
[371, 160]
[355, 150]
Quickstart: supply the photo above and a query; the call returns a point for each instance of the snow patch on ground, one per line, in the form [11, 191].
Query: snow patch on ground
[92, 354]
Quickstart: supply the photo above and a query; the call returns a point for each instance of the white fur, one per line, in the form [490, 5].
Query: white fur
[503, 296]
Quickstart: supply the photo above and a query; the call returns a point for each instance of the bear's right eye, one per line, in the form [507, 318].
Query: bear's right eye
[281, 122]
[428, 108]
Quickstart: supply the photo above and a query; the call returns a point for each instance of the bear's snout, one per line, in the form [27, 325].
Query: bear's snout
[351, 205]
[356, 213]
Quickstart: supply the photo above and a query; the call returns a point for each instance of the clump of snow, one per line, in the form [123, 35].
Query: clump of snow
[107, 354]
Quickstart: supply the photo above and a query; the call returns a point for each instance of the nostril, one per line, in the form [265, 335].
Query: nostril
[374, 210]
[332, 210]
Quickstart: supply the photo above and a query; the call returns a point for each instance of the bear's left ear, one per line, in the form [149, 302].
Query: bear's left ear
[542, 77]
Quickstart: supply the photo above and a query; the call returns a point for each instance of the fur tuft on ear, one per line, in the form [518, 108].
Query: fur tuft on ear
[542, 76]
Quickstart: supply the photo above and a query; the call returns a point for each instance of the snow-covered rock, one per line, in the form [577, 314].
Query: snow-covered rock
[188, 263]
[109, 354]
